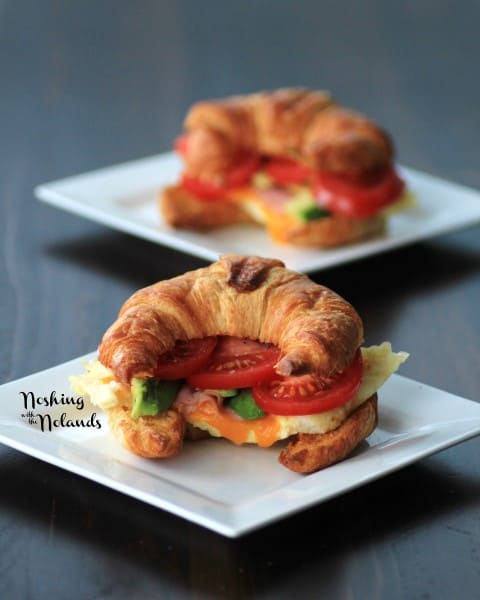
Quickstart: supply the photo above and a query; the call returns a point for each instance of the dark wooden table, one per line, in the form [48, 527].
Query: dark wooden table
[89, 84]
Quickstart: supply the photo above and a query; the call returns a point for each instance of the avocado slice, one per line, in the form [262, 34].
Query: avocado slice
[223, 393]
[152, 396]
[244, 405]
[303, 207]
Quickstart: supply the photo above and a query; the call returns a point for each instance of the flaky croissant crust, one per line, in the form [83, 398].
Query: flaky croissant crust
[303, 124]
[244, 296]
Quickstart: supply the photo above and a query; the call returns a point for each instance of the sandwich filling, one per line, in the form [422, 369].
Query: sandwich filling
[228, 387]
[274, 185]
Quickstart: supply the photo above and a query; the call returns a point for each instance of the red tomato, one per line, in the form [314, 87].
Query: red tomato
[202, 189]
[185, 358]
[180, 145]
[286, 171]
[236, 363]
[238, 175]
[357, 200]
[309, 394]
[242, 171]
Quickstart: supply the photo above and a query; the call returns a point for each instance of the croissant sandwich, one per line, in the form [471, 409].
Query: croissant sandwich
[313, 173]
[244, 349]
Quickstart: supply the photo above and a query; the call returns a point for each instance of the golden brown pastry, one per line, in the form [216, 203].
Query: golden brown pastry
[287, 159]
[305, 124]
[308, 452]
[183, 210]
[244, 349]
[241, 296]
[160, 436]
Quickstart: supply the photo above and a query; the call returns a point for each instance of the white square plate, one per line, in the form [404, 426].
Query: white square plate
[124, 197]
[227, 488]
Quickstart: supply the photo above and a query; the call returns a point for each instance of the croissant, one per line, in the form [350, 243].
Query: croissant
[242, 296]
[150, 437]
[311, 335]
[309, 452]
[301, 140]
[306, 124]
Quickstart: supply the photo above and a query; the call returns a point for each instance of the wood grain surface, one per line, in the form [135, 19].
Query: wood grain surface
[90, 84]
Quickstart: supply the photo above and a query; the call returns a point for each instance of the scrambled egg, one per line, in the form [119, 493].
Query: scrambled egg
[407, 201]
[99, 385]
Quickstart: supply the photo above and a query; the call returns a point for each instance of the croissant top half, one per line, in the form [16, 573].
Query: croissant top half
[306, 125]
[244, 296]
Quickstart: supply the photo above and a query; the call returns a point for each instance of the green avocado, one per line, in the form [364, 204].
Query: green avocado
[244, 405]
[303, 207]
[152, 396]
[223, 393]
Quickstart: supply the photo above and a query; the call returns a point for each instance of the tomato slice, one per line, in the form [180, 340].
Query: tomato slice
[238, 175]
[202, 189]
[180, 145]
[242, 171]
[287, 171]
[185, 358]
[357, 200]
[237, 363]
[309, 394]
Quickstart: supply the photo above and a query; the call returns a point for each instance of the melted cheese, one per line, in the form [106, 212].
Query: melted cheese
[224, 423]
[251, 203]
[203, 411]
